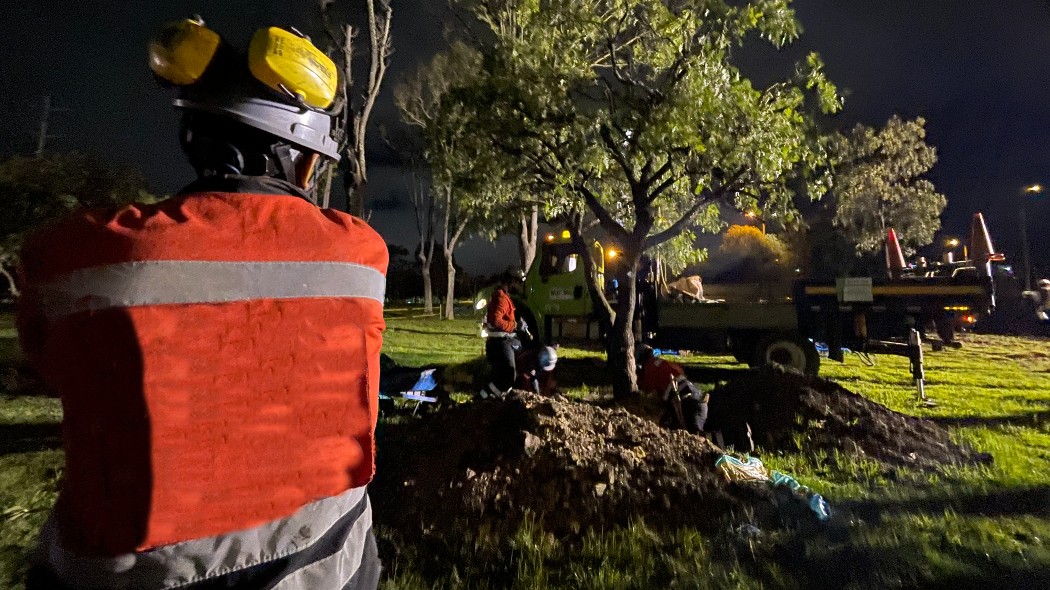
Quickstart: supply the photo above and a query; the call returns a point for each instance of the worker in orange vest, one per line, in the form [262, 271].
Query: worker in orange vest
[501, 343]
[217, 353]
[686, 406]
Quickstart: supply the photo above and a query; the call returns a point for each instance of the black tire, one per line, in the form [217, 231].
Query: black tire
[790, 350]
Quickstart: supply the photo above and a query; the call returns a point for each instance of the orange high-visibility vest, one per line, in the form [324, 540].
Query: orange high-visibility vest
[217, 359]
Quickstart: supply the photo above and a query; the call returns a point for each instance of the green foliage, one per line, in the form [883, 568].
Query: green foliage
[761, 256]
[880, 183]
[634, 113]
[34, 191]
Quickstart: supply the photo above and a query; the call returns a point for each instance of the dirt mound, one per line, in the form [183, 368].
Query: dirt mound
[572, 465]
[785, 409]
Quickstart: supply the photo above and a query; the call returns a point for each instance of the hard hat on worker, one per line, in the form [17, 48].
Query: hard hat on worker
[283, 86]
[548, 358]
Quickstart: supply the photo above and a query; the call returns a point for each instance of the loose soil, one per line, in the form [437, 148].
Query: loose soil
[576, 466]
[572, 465]
[784, 408]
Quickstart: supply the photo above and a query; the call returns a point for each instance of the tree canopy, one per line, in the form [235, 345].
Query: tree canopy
[880, 182]
[633, 113]
[36, 190]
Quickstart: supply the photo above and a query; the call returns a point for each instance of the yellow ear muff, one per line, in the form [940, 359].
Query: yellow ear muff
[182, 50]
[292, 65]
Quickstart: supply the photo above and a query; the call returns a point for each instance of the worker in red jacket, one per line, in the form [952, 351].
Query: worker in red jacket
[686, 406]
[217, 353]
[501, 343]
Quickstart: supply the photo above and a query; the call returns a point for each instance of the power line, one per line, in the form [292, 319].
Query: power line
[45, 116]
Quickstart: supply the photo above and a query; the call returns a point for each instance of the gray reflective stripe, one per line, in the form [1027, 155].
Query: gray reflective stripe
[335, 570]
[161, 282]
[173, 566]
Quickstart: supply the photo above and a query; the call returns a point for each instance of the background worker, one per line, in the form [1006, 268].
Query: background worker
[217, 353]
[501, 343]
[535, 366]
[685, 405]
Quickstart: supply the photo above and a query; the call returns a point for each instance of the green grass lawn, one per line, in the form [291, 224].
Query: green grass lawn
[958, 527]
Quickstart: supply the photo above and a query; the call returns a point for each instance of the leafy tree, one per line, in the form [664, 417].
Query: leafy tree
[880, 183]
[356, 99]
[36, 190]
[634, 114]
[759, 256]
[422, 102]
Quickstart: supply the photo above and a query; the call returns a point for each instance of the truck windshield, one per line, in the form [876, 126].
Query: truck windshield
[558, 259]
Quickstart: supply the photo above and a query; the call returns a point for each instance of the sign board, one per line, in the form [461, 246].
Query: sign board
[854, 290]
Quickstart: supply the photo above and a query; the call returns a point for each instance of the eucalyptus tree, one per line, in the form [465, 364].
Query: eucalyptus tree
[357, 98]
[635, 114]
[480, 192]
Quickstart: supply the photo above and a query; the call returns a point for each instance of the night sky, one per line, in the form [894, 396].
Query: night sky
[979, 72]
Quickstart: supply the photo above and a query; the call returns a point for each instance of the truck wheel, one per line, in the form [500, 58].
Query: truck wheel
[790, 351]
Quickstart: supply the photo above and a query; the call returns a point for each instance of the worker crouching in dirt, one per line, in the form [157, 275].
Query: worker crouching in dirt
[217, 353]
[685, 405]
[501, 344]
[535, 366]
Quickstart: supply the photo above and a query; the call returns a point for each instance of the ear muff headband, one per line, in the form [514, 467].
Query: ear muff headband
[285, 62]
[182, 50]
[290, 64]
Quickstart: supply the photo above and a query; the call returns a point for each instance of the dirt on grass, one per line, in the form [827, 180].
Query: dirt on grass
[576, 466]
[786, 410]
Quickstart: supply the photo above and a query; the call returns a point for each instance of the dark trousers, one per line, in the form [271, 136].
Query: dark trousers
[500, 354]
[695, 414]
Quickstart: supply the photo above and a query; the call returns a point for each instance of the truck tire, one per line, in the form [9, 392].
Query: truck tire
[789, 350]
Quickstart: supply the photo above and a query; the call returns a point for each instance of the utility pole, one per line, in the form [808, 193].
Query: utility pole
[41, 140]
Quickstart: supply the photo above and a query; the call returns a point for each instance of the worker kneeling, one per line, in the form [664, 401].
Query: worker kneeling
[685, 404]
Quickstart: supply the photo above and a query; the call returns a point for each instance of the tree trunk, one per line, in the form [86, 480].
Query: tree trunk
[450, 292]
[324, 187]
[12, 286]
[428, 286]
[620, 339]
[530, 229]
[616, 322]
[355, 195]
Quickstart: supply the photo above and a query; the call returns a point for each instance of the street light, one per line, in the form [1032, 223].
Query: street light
[949, 253]
[1026, 255]
[754, 216]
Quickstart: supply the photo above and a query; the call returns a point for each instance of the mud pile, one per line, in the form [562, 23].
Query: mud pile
[790, 411]
[572, 465]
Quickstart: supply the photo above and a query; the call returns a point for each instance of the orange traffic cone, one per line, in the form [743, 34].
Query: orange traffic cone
[894, 255]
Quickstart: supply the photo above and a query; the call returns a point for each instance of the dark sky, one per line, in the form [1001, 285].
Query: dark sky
[979, 72]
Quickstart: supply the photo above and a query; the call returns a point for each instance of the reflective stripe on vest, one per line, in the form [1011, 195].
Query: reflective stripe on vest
[163, 282]
[173, 566]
